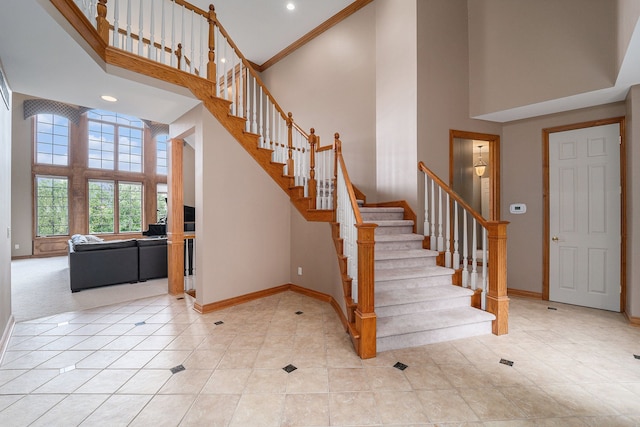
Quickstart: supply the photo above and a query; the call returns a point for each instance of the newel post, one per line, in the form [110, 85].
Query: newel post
[497, 301]
[211, 65]
[102, 24]
[365, 312]
[313, 139]
[290, 144]
[337, 151]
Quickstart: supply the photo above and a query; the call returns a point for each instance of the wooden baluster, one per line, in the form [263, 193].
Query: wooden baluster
[497, 300]
[179, 54]
[290, 144]
[312, 172]
[101, 20]
[211, 65]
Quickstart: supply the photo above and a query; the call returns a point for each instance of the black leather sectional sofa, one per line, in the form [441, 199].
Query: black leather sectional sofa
[95, 264]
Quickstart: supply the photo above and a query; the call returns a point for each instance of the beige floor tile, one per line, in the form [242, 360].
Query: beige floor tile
[387, 378]
[427, 377]
[100, 359]
[124, 342]
[167, 359]
[107, 381]
[154, 342]
[116, 411]
[465, 376]
[227, 381]
[146, 381]
[273, 358]
[490, 404]
[186, 382]
[8, 400]
[535, 403]
[134, 359]
[306, 410]
[64, 359]
[211, 410]
[204, 359]
[308, 380]
[267, 381]
[28, 409]
[348, 379]
[258, 410]
[29, 360]
[67, 382]
[621, 399]
[238, 359]
[579, 401]
[10, 374]
[611, 421]
[164, 411]
[400, 408]
[313, 359]
[29, 381]
[353, 409]
[95, 342]
[445, 406]
[71, 411]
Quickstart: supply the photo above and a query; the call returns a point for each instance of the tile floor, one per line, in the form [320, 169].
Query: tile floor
[112, 366]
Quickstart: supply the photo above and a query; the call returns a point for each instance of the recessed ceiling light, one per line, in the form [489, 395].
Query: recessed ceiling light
[291, 6]
[109, 98]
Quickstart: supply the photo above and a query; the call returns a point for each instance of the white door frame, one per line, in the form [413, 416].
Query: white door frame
[623, 202]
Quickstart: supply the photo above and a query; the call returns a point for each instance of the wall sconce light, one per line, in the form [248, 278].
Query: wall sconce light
[480, 166]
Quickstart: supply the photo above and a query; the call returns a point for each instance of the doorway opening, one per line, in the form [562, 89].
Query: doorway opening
[474, 170]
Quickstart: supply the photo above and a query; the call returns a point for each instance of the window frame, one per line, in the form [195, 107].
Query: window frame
[36, 142]
[36, 205]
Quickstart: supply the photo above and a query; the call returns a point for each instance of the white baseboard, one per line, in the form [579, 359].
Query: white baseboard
[6, 336]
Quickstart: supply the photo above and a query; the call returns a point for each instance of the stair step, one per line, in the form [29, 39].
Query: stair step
[398, 241]
[411, 278]
[418, 329]
[371, 214]
[398, 226]
[406, 301]
[407, 258]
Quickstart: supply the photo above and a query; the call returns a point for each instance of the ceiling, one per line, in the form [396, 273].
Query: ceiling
[42, 56]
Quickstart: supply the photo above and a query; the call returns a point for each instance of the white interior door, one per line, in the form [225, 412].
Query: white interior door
[584, 217]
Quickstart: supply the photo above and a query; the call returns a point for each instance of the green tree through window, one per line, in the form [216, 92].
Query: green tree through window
[130, 206]
[101, 209]
[52, 206]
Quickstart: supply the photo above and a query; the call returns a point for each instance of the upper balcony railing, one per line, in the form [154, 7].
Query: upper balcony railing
[180, 35]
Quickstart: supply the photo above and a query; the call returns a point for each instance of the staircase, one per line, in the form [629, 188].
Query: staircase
[416, 302]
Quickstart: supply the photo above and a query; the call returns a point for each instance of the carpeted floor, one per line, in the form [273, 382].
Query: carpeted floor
[40, 287]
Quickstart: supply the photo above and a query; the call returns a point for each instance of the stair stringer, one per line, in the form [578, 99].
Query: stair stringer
[219, 108]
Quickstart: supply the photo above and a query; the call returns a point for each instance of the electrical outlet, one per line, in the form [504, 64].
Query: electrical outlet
[16, 246]
[299, 271]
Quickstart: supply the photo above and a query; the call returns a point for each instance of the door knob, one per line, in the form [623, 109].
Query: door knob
[555, 238]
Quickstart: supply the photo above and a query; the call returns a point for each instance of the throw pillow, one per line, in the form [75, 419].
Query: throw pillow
[93, 239]
[78, 238]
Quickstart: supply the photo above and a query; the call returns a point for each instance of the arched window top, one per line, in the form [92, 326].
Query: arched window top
[110, 116]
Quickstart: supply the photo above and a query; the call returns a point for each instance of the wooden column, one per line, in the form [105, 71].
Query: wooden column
[312, 169]
[497, 300]
[365, 312]
[175, 219]
[102, 24]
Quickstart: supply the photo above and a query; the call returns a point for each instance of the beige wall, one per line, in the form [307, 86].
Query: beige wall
[521, 182]
[523, 52]
[21, 201]
[633, 202]
[243, 217]
[396, 100]
[188, 175]
[6, 316]
[312, 249]
[330, 85]
[627, 16]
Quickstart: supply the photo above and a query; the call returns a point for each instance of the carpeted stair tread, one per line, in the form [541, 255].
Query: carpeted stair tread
[393, 222]
[440, 319]
[411, 273]
[406, 253]
[398, 237]
[407, 296]
[376, 209]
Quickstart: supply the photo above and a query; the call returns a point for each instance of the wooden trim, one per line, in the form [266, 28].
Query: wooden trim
[408, 211]
[220, 305]
[523, 294]
[81, 24]
[633, 321]
[623, 201]
[494, 163]
[175, 218]
[335, 19]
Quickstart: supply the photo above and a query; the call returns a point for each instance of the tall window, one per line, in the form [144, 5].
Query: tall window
[161, 154]
[115, 141]
[52, 206]
[130, 206]
[161, 202]
[52, 140]
[101, 206]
